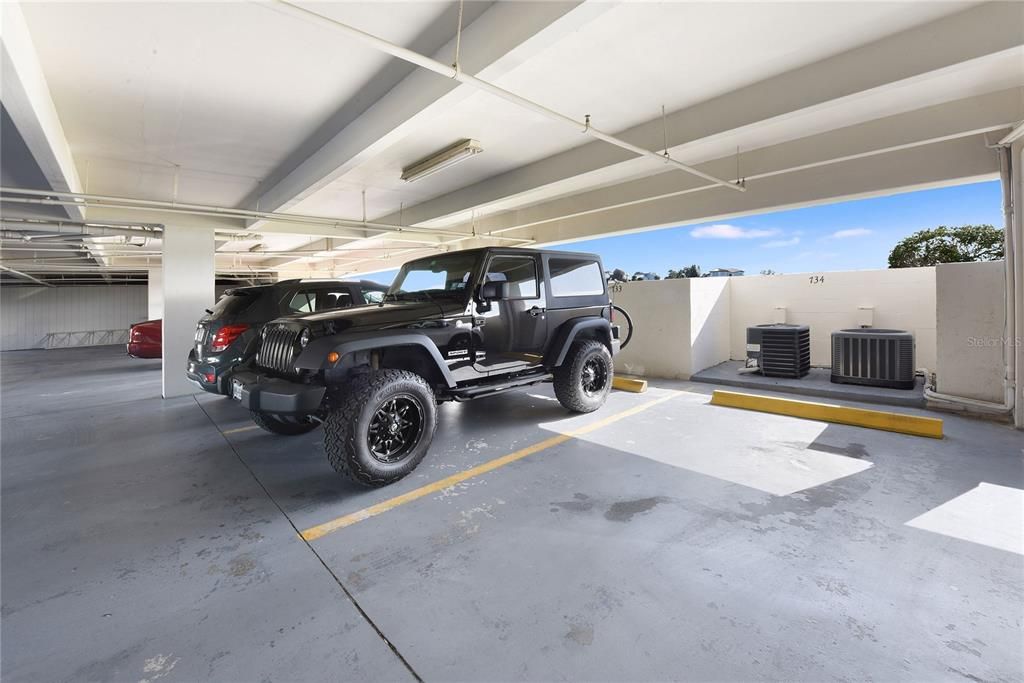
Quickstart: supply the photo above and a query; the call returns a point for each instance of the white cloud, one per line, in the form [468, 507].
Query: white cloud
[775, 244]
[852, 232]
[724, 231]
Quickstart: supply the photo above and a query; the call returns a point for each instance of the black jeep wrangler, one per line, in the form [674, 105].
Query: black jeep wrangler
[452, 327]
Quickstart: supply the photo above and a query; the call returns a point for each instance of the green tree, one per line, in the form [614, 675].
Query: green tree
[618, 275]
[688, 271]
[948, 245]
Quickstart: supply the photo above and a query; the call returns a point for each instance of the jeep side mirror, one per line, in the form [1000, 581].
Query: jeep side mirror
[495, 291]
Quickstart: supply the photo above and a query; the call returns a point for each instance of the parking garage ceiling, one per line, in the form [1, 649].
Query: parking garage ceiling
[236, 106]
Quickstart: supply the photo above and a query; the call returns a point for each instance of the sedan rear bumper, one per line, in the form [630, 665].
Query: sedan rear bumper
[278, 396]
[144, 350]
[207, 376]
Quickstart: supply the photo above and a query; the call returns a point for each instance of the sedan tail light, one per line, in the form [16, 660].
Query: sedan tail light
[225, 336]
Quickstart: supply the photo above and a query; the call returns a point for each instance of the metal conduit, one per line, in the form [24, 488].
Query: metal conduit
[46, 198]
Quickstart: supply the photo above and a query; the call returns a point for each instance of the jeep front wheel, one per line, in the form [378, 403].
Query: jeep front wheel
[381, 427]
[583, 381]
[282, 424]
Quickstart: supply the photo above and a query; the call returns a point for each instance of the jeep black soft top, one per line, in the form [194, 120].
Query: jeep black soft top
[452, 327]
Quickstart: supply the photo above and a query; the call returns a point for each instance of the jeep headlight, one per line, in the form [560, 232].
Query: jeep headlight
[304, 338]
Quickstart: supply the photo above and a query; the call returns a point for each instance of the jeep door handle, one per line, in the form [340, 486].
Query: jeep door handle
[536, 311]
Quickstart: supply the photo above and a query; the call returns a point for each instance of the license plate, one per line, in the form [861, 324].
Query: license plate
[236, 390]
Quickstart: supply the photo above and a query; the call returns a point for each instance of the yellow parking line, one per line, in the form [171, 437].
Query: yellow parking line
[239, 429]
[321, 530]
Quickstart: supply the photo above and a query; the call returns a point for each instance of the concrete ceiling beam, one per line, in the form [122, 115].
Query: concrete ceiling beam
[26, 98]
[936, 164]
[939, 164]
[501, 37]
[976, 33]
[969, 116]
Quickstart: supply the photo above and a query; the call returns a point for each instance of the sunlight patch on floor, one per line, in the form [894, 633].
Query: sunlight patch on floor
[988, 514]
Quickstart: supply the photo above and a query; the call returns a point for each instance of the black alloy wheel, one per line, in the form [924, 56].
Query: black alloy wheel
[594, 376]
[583, 380]
[395, 429]
[380, 426]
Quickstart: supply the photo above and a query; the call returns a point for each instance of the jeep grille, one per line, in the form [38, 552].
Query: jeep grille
[278, 348]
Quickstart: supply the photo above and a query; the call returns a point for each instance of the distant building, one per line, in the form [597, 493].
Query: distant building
[645, 276]
[724, 272]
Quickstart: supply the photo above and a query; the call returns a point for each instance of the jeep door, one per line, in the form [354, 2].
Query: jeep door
[511, 333]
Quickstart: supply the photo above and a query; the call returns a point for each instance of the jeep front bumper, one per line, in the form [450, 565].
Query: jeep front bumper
[278, 396]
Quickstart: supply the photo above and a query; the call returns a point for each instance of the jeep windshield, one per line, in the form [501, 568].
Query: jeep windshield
[437, 277]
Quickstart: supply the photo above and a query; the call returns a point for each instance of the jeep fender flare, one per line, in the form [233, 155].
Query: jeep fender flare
[571, 329]
[315, 356]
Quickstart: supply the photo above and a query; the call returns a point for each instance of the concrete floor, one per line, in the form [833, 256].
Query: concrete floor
[818, 382]
[145, 539]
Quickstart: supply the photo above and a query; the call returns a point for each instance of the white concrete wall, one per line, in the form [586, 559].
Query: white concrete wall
[710, 322]
[28, 314]
[971, 316]
[685, 326]
[661, 315]
[902, 298]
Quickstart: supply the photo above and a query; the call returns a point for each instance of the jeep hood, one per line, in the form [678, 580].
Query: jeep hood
[386, 316]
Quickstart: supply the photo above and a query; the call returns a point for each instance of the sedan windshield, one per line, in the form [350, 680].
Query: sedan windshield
[437, 277]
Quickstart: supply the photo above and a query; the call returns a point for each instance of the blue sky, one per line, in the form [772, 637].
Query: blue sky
[845, 236]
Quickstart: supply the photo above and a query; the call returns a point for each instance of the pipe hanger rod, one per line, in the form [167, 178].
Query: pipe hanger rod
[462, 77]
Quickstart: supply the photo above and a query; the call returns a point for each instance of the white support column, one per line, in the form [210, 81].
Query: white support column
[155, 294]
[188, 289]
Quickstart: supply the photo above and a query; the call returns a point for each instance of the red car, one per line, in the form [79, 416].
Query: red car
[145, 339]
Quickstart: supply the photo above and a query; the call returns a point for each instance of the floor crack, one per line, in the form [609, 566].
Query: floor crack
[348, 594]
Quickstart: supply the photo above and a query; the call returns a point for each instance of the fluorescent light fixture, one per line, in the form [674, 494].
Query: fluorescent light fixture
[449, 156]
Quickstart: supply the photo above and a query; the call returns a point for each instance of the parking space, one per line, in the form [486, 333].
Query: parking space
[665, 538]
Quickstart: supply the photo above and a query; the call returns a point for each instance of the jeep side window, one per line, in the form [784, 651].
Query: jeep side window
[327, 299]
[373, 296]
[520, 272]
[573, 277]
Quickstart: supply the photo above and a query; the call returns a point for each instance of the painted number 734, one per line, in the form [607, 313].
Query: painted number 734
[816, 279]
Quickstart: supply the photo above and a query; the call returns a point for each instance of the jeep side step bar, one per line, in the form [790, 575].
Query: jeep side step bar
[478, 391]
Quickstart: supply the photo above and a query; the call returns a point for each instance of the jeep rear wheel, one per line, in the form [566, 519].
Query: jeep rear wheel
[285, 425]
[381, 427]
[583, 381]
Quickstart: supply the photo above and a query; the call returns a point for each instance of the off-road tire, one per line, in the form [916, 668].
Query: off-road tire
[347, 426]
[569, 385]
[283, 426]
